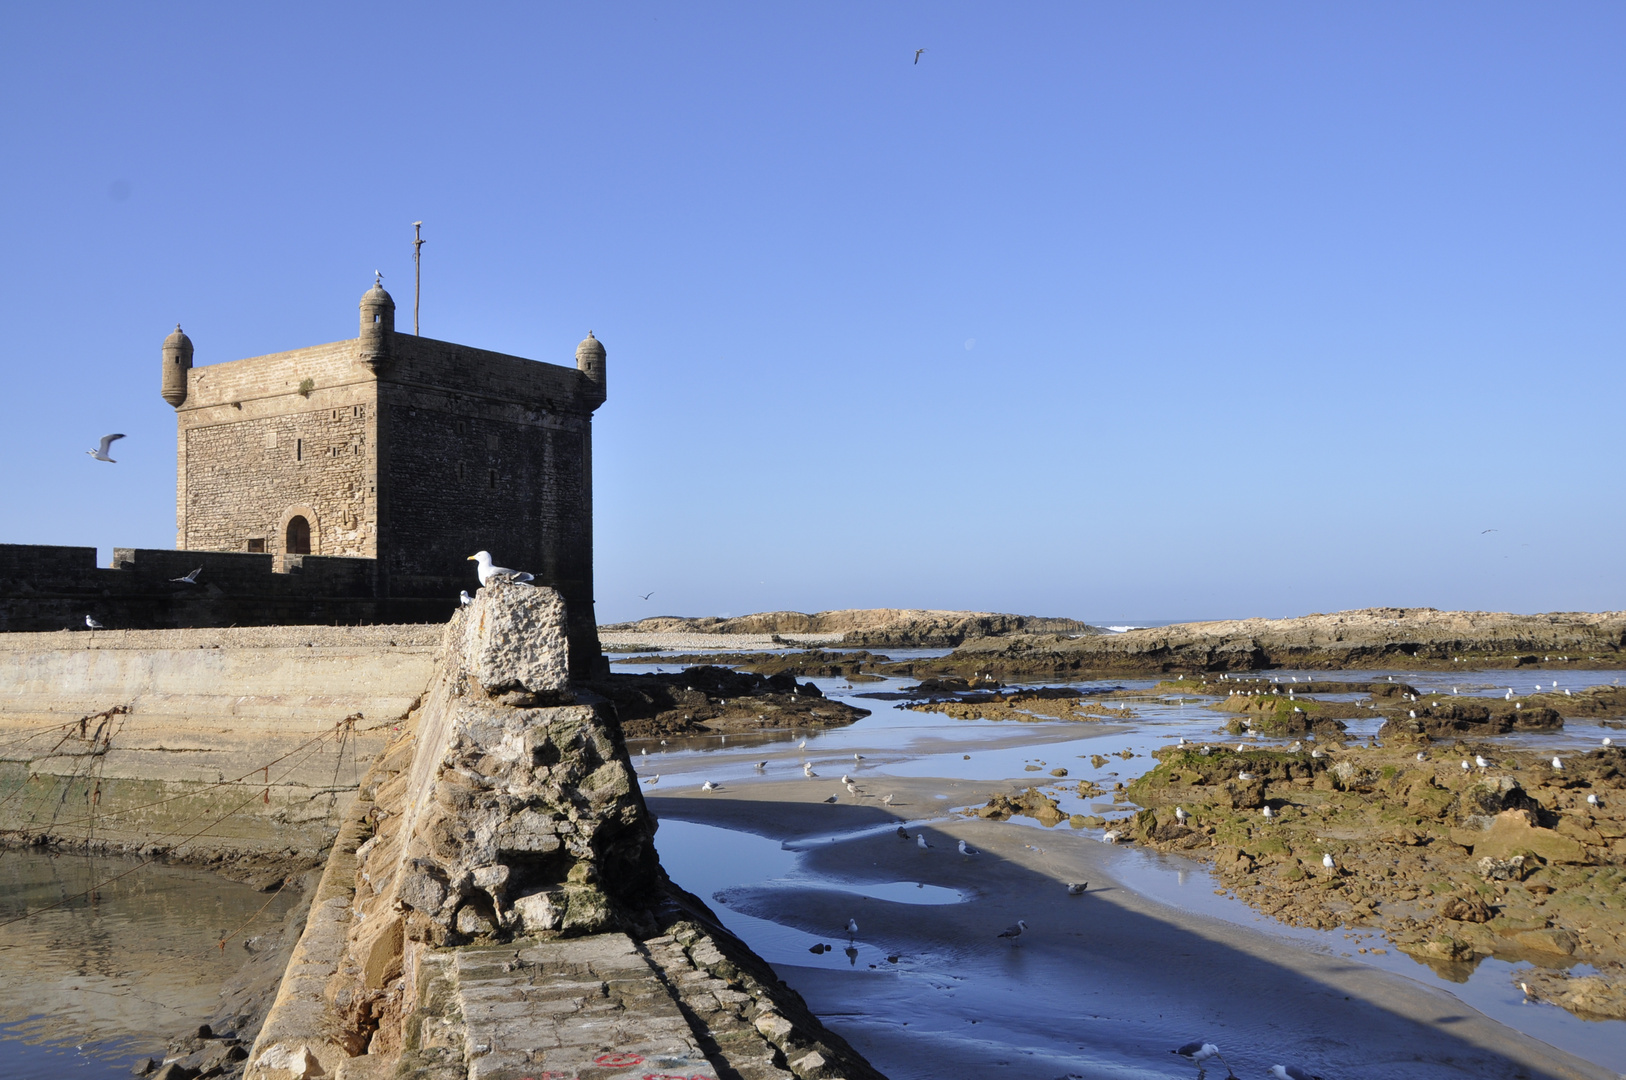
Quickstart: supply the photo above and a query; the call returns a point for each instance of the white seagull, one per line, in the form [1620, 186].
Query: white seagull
[1199, 1052]
[708, 786]
[1014, 932]
[852, 929]
[1076, 888]
[967, 849]
[1479, 759]
[1558, 764]
[920, 838]
[1592, 799]
[1291, 1072]
[1180, 814]
[1466, 766]
[94, 625]
[100, 453]
[188, 579]
[1268, 812]
[1326, 860]
[464, 599]
[488, 572]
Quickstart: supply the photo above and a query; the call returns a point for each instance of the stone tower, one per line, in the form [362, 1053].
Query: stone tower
[410, 451]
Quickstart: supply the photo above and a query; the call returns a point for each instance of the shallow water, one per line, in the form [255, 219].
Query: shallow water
[896, 742]
[97, 972]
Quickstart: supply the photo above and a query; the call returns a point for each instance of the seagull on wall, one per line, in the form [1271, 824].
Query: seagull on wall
[489, 573]
[100, 453]
[464, 599]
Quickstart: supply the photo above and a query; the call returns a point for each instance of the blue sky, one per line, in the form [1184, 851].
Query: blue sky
[1118, 311]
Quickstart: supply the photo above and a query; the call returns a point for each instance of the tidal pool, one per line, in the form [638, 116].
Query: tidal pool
[103, 960]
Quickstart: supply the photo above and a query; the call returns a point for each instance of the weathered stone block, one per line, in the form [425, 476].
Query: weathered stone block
[515, 644]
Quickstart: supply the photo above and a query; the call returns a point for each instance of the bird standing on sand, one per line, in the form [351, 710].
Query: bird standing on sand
[708, 786]
[887, 798]
[1558, 764]
[1291, 1072]
[100, 453]
[967, 849]
[1076, 888]
[94, 625]
[1480, 760]
[489, 573]
[1327, 861]
[1592, 799]
[1014, 932]
[1268, 812]
[920, 839]
[464, 599]
[903, 834]
[1199, 1052]
[188, 579]
[832, 799]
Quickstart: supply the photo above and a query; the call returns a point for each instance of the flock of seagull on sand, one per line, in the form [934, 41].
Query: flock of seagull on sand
[1199, 1052]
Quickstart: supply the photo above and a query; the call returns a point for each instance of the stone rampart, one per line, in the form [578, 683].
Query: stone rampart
[495, 908]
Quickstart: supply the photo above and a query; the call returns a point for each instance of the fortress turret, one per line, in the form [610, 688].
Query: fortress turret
[377, 327]
[590, 362]
[177, 362]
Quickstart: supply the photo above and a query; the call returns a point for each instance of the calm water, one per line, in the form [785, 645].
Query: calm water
[96, 973]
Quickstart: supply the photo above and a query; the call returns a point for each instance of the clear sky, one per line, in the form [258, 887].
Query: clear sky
[1123, 311]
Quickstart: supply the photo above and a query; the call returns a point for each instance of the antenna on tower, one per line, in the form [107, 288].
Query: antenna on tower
[417, 272]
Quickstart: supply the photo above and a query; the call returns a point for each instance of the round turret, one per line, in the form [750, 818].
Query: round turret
[177, 362]
[590, 362]
[377, 327]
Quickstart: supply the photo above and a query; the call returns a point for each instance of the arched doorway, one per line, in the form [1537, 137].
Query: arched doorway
[299, 536]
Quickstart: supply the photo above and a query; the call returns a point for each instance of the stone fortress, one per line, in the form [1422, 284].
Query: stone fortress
[348, 483]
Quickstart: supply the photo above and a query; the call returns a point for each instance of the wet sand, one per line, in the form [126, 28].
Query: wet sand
[1103, 984]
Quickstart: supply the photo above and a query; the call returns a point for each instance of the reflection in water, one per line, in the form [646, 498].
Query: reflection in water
[95, 975]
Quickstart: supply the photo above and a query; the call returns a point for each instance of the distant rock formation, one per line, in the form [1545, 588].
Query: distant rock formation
[896, 627]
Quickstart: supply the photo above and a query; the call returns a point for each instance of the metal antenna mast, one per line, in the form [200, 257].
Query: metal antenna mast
[417, 272]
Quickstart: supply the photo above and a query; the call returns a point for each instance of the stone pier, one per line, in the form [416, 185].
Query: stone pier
[494, 908]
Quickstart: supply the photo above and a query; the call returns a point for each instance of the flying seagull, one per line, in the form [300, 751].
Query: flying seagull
[1014, 932]
[489, 573]
[189, 579]
[100, 453]
[647, 595]
[1482, 532]
[917, 55]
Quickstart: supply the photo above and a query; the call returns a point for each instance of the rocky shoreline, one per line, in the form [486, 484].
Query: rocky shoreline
[1453, 847]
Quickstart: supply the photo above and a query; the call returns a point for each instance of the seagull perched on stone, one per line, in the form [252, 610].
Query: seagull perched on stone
[708, 786]
[1466, 766]
[1180, 814]
[464, 599]
[1014, 932]
[1558, 764]
[1076, 888]
[967, 849]
[1291, 1072]
[1420, 755]
[1608, 742]
[1111, 836]
[1592, 799]
[1327, 861]
[188, 579]
[94, 625]
[1479, 759]
[1244, 776]
[100, 453]
[489, 573]
[1268, 812]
